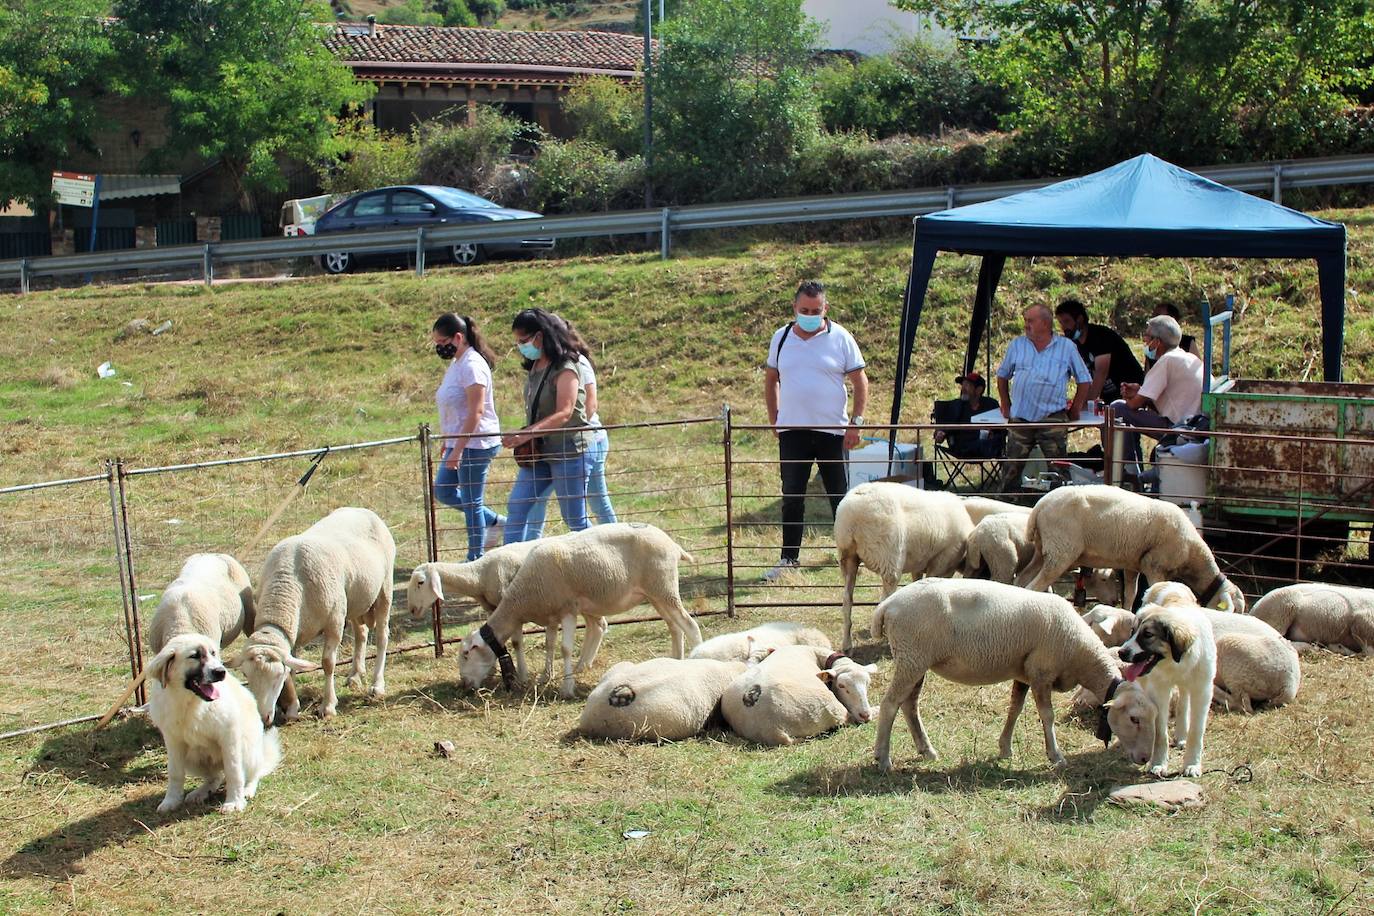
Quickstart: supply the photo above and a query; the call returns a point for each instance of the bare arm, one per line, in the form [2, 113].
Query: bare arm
[771, 381]
[591, 402]
[859, 379]
[1080, 397]
[1101, 366]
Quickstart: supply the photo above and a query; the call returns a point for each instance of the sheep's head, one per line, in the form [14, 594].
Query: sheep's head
[266, 669]
[1167, 593]
[1112, 625]
[1231, 598]
[475, 661]
[424, 589]
[849, 681]
[1131, 715]
[1104, 585]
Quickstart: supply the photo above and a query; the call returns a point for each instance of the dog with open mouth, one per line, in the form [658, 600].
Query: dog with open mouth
[210, 724]
[1171, 648]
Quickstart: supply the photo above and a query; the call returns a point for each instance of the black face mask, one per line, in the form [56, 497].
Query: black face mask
[445, 351]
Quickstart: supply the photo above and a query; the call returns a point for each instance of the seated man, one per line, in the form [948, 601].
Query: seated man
[969, 442]
[1171, 392]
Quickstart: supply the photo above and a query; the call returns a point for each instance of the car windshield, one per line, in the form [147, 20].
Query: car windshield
[453, 197]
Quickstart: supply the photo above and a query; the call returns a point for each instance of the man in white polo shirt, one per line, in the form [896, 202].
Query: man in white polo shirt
[804, 386]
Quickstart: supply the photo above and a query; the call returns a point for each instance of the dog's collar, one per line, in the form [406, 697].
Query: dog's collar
[501, 653]
[832, 659]
[1212, 590]
[1104, 727]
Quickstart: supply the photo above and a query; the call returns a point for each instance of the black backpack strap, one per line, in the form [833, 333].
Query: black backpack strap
[777, 357]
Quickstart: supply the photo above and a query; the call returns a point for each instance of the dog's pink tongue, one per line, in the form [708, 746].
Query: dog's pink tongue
[1133, 671]
[212, 691]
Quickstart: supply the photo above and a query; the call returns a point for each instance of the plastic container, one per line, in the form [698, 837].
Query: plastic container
[1183, 472]
[870, 463]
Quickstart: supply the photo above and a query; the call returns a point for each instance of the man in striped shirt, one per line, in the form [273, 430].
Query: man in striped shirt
[1030, 388]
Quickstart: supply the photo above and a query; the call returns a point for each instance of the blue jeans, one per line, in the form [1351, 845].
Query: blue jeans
[598, 500]
[463, 487]
[567, 477]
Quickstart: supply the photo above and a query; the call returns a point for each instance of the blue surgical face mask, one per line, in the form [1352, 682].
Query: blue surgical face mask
[1077, 333]
[529, 350]
[809, 323]
[1149, 352]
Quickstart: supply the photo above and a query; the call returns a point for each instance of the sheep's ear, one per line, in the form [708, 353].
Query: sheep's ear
[827, 677]
[438, 586]
[236, 662]
[1105, 625]
[300, 664]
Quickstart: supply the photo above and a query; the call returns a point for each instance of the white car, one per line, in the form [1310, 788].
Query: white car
[298, 216]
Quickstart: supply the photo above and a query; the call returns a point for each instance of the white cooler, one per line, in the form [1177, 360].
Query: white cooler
[1183, 472]
[870, 462]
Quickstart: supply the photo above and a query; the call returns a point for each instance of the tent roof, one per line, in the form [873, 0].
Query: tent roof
[1142, 207]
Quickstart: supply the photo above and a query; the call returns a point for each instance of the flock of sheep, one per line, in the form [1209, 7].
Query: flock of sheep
[783, 682]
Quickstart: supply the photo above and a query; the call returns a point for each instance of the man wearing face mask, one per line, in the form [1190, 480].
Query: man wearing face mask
[809, 360]
[1107, 356]
[1172, 390]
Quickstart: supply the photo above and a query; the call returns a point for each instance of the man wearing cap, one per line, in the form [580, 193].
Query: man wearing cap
[1030, 389]
[809, 360]
[964, 443]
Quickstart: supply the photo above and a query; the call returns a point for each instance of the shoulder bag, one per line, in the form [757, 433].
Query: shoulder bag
[527, 454]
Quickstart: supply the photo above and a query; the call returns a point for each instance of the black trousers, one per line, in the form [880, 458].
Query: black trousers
[797, 450]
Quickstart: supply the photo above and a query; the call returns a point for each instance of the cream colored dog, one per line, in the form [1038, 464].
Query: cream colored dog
[1171, 648]
[210, 724]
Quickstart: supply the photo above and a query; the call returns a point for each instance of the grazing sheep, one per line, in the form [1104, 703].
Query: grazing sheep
[981, 507]
[740, 647]
[663, 699]
[1338, 617]
[1103, 526]
[997, 547]
[795, 693]
[337, 573]
[894, 529]
[594, 573]
[210, 597]
[1112, 625]
[976, 632]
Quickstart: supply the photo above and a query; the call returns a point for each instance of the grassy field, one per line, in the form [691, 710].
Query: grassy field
[364, 815]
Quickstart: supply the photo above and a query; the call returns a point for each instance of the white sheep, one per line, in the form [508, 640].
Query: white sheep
[894, 529]
[795, 693]
[998, 546]
[337, 573]
[1339, 617]
[981, 507]
[210, 597]
[1112, 625]
[1104, 526]
[594, 573]
[747, 644]
[976, 632]
[663, 699]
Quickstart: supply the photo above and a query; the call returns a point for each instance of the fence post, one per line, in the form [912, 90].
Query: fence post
[1302, 484]
[727, 442]
[665, 239]
[24, 275]
[420, 252]
[1108, 440]
[431, 532]
[119, 517]
[207, 265]
[1278, 183]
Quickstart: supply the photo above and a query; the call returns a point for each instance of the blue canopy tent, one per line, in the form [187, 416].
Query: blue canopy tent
[1143, 207]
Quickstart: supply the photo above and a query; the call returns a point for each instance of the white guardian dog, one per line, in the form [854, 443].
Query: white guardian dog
[1170, 648]
[210, 724]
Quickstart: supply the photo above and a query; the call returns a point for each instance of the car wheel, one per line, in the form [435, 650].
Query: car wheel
[468, 254]
[336, 262]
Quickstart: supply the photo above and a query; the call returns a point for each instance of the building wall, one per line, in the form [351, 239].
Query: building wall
[869, 26]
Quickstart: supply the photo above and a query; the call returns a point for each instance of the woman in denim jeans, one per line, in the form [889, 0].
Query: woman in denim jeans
[598, 500]
[466, 410]
[555, 400]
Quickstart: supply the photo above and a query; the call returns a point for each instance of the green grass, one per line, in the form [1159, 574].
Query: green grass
[363, 815]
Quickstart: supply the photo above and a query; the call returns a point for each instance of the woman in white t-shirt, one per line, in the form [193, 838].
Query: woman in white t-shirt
[467, 411]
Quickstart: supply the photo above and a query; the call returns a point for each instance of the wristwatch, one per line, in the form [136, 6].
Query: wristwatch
[856, 421]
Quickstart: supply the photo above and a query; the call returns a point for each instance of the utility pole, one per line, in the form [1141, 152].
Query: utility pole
[648, 105]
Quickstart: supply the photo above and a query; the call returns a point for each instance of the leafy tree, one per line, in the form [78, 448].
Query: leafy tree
[412, 12]
[608, 112]
[1194, 81]
[54, 60]
[473, 157]
[245, 81]
[360, 157]
[732, 106]
[487, 12]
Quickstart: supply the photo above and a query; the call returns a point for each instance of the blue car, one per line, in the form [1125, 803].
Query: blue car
[420, 205]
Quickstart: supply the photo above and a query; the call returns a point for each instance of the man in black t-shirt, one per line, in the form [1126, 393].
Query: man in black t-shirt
[1107, 356]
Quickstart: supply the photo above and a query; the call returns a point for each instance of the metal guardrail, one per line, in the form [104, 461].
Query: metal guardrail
[1265, 176]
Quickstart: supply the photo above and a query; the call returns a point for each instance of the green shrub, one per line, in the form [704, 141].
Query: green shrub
[581, 176]
[469, 157]
[608, 112]
[486, 11]
[362, 157]
[845, 163]
[411, 12]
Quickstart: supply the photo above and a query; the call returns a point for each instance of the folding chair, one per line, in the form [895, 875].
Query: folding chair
[959, 466]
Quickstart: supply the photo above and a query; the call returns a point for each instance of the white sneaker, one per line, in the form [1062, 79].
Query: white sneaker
[777, 572]
[496, 534]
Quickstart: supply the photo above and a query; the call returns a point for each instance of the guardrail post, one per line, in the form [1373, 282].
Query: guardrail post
[665, 242]
[950, 194]
[727, 443]
[420, 252]
[23, 275]
[431, 532]
[1278, 183]
[207, 265]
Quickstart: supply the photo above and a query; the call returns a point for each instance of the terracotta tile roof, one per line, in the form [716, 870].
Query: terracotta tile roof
[455, 46]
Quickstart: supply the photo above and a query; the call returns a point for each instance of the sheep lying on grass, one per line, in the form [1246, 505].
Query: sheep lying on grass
[593, 573]
[1337, 617]
[1102, 526]
[210, 597]
[895, 529]
[756, 642]
[795, 693]
[337, 573]
[663, 699]
[975, 632]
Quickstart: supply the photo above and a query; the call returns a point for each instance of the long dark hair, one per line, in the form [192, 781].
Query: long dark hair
[450, 324]
[578, 343]
[558, 345]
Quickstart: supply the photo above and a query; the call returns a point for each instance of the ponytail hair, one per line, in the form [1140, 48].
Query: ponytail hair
[450, 325]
